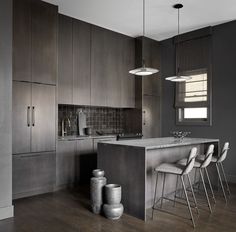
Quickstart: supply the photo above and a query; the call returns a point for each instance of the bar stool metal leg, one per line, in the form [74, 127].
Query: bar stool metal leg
[176, 186]
[154, 201]
[163, 188]
[186, 195]
[204, 186]
[227, 185]
[213, 195]
[194, 198]
[221, 183]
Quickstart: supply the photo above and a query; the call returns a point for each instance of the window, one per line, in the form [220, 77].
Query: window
[193, 99]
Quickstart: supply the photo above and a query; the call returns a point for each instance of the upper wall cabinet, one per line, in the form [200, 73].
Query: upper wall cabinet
[151, 85]
[111, 58]
[44, 42]
[35, 41]
[65, 60]
[81, 62]
[22, 40]
[128, 80]
[74, 61]
[94, 65]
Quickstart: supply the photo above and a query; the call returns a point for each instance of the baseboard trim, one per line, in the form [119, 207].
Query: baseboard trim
[43, 190]
[6, 212]
[231, 178]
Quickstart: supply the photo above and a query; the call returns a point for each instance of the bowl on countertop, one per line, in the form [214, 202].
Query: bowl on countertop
[98, 173]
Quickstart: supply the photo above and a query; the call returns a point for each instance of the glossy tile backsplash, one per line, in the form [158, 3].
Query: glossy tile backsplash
[107, 120]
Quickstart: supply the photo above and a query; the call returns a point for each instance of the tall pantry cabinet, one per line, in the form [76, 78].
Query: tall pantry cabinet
[35, 26]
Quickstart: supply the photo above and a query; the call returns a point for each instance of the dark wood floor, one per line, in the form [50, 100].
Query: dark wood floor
[68, 211]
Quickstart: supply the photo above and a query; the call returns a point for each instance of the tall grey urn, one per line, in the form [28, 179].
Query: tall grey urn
[113, 209]
[96, 191]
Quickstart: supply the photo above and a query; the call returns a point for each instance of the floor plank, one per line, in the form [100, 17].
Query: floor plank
[69, 211]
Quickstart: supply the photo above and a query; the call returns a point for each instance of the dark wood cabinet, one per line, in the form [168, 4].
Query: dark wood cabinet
[99, 85]
[65, 163]
[74, 61]
[85, 161]
[65, 60]
[112, 56]
[127, 79]
[35, 41]
[34, 120]
[81, 62]
[33, 174]
[151, 85]
[75, 160]
[44, 42]
[151, 127]
[43, 118]
[21, 115]
[22, 40]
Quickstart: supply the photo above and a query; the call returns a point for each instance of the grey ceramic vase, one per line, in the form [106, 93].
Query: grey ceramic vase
[113, 209]
[96, 192]
[113, 212]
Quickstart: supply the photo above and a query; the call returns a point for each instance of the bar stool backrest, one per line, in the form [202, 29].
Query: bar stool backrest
[208, 156]
[191, 159]
[223, 152]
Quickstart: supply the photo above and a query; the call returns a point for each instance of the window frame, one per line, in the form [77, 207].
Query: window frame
[180, 108]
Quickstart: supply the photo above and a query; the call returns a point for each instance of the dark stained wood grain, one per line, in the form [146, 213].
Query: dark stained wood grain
[69, 211]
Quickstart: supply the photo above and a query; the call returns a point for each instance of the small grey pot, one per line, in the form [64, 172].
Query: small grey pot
[113, 194]
[113, 212]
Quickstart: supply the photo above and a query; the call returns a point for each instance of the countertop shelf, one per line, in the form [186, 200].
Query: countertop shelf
[164, 142]
[68, 138]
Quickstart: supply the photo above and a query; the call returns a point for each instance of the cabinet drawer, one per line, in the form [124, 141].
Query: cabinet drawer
[33, 174]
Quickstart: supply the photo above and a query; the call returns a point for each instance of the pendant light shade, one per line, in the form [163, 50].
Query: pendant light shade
[143, 71]
[178, 77]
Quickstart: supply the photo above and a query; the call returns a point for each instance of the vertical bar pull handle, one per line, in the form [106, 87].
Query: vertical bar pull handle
[33, 116]
[144, 117]
[28, 116]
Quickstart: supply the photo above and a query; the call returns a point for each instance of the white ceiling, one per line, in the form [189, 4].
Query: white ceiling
[125, 16]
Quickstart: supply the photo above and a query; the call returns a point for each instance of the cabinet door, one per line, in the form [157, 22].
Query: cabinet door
[152, 84]
[151, 117]
[33, 174]
[85, 161]
[22, 40]
[128, 80]
[65, 163]
[44, 42]
[81, 62]
[98, 64]
[21, 117]
[65, 61]
[43, 118]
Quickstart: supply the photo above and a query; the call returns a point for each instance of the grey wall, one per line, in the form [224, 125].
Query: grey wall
[223, 95]
[6, 209]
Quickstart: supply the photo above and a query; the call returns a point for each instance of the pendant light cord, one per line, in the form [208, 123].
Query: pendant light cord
[177, 47]
[143, 61]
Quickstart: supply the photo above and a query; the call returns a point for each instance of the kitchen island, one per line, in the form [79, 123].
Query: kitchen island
[131, 164]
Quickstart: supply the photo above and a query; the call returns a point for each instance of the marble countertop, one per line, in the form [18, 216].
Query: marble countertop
[67, 138]
[164, 142]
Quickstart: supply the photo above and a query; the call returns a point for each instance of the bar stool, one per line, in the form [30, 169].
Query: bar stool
[178, 170]
[218, 162]
[202, 164]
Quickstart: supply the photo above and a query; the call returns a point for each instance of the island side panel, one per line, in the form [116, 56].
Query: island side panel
[125, 165]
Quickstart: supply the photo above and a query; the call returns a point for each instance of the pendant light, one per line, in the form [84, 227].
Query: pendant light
[178, 77]
[143, 71]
